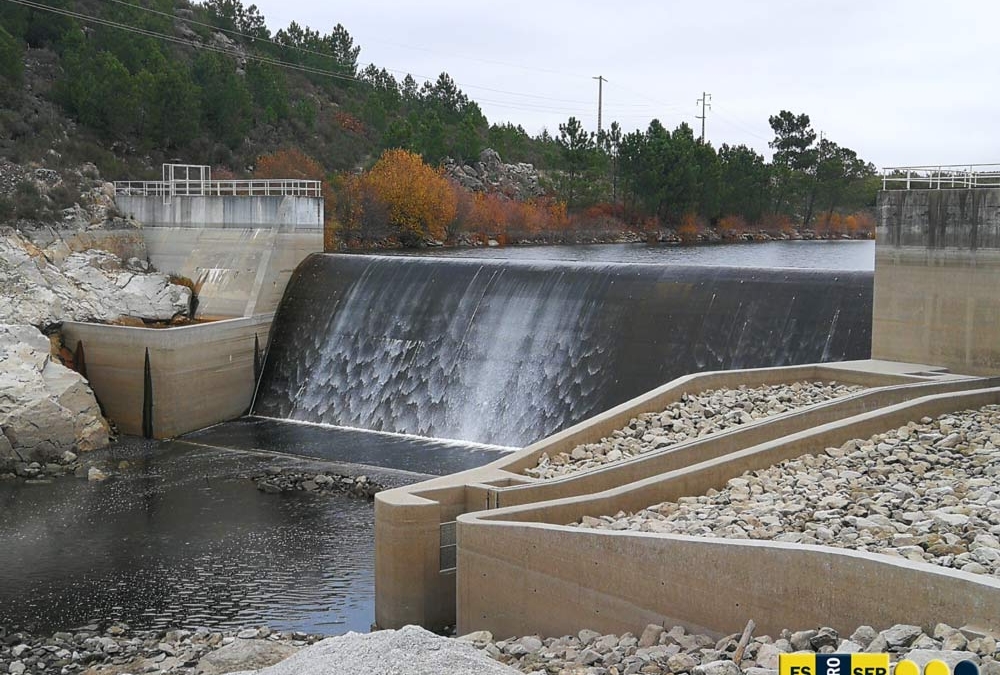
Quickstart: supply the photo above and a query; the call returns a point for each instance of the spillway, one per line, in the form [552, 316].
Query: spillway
[505, 352]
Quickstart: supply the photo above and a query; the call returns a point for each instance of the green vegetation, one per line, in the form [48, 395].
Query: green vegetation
[210, 83]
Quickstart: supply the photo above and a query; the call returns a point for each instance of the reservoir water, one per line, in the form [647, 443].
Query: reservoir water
[834, 255]
[181, 537]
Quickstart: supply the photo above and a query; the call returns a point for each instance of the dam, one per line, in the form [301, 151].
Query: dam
[376, 364]
[508, 352]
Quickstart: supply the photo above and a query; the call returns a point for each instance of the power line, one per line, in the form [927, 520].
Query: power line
[739, 126]
[627, 110]
[600, 99]
[189, 43]
[705, 100]
[305, 50]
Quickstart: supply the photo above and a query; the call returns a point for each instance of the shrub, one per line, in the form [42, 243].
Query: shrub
[29, 202]
[11, 60]
[420, 200]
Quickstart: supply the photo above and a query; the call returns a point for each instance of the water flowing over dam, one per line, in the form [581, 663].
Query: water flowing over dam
[506, 352]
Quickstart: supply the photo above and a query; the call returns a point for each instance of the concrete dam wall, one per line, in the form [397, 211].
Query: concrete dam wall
[507, 352]
[238, 250]
[937, 268]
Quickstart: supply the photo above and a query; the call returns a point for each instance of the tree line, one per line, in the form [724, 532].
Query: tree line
[218, 95]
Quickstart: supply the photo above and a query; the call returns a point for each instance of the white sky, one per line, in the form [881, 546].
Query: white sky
[902, 82]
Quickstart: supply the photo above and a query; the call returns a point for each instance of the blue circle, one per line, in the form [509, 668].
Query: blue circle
[966, 668]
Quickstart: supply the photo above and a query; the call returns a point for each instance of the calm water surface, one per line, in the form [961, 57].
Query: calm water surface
[182, 538]
[839, 255]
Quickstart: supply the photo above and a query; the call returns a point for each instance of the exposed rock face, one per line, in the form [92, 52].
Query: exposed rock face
[490, 174]
[89, 286]
[46, 409]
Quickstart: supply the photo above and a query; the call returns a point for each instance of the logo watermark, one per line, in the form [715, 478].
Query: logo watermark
[865, 664]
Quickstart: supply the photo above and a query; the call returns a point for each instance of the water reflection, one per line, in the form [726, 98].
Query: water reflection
[180, 539]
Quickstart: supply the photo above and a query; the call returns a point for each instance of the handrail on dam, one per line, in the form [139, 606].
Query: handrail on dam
[221, 188]
[941, 177]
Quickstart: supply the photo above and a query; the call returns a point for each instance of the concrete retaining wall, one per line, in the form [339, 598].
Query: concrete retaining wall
[290, 213]
[198, 375]
[239, 251]
[937, 268]
[409, 584]
[522, 571]
[238, 272]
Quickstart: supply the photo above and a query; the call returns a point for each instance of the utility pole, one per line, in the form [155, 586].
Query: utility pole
[705, 100]
[600, 94]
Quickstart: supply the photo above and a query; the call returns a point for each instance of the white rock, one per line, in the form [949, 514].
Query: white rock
[87, 286]
[244, 654]
[46, 409]
[411, 650]
[717, 668]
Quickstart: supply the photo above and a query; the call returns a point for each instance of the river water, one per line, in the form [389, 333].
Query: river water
[181, 537]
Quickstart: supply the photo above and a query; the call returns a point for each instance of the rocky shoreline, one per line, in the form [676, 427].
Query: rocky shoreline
[657, 650]
[118, 649]
[927, 492]
[694, 416]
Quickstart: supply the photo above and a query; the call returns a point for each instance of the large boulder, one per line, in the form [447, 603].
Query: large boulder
[250, 654]
[88, 286]
[46, 409]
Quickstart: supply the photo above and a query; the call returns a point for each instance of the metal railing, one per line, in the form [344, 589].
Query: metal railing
[220, 188]
[941, 177]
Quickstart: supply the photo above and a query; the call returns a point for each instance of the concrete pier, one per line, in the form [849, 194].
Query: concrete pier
[239, 242]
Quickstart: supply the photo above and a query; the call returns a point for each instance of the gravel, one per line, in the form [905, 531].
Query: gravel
[694, 416]
[118, 649]
[928, 492]
[662, 650]
[410, 650]
[276, 480]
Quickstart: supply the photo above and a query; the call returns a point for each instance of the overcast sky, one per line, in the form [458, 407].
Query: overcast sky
[902, 82]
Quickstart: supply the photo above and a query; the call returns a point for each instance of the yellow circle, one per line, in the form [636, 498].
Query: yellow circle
[907, 668]
[937, 667]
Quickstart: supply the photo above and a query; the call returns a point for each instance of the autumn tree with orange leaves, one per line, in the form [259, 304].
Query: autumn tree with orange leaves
[419, 199]
[294, 164]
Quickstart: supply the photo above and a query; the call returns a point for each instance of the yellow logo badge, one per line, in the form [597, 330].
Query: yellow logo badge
[864, 664]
